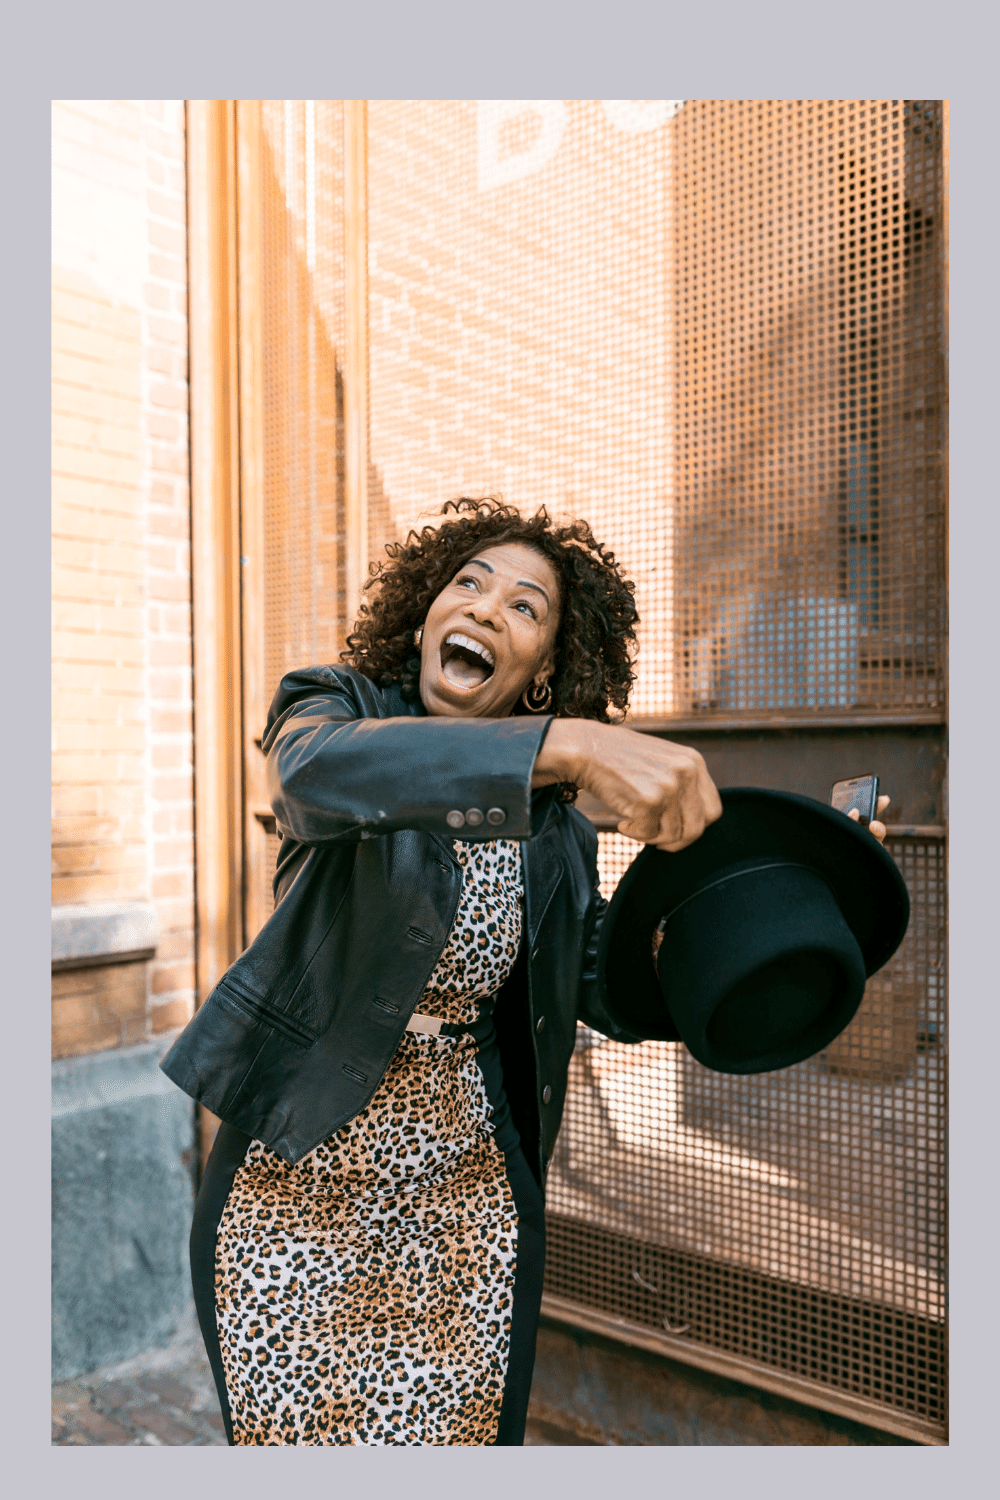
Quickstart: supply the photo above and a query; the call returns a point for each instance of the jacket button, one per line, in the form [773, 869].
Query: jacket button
[546, 1094]
[455, 819]
[540, 1024]
[474, 817]
[496, 816]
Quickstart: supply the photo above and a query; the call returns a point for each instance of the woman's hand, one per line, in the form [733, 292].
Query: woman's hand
[661, 791]
[874, 827]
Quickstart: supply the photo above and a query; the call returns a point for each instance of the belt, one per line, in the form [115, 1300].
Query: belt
[481, 1029]
[431, 1025]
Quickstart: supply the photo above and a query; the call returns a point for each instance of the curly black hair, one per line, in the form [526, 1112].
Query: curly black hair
[595, 647]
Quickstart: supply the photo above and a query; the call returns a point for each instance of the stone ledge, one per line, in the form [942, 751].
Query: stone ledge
[95, 1080]
[104, 932]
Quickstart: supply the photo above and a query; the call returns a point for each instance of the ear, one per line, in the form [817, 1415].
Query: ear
[546, 670]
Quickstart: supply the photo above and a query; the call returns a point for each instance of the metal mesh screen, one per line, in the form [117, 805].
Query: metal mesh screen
[810, 370]
[715, 330]
[795, 1219]
[302, 328]
[520, 316]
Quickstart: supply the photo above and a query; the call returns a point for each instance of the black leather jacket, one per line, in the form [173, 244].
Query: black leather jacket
[297, 1035]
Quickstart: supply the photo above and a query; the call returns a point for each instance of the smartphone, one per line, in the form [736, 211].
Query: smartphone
[859, 792]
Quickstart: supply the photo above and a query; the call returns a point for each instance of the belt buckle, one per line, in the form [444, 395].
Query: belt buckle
[428, 1025]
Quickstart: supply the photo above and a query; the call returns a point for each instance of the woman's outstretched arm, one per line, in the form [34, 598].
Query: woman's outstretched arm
[337, 769]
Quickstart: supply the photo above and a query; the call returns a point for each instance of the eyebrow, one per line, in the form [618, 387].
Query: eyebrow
[522, 583]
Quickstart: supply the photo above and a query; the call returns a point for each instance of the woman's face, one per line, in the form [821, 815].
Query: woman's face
[489, 633]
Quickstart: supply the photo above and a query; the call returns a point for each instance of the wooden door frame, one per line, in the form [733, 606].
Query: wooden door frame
[215, 543]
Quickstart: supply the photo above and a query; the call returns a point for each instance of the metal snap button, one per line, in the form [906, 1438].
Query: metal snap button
[474, 817]
[540, 1024]
[546, 1094]
[455, 819]
[496, 816]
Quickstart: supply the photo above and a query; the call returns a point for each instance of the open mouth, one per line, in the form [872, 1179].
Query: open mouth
[464, 662]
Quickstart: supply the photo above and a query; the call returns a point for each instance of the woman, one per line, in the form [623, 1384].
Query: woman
[389, 1057]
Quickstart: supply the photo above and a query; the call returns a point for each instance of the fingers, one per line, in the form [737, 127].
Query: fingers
[691, 804]
[875, 828]
[662, 792]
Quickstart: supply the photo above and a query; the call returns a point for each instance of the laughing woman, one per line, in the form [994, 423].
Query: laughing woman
[389, 1057]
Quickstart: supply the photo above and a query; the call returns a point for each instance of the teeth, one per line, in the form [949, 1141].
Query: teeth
[470, 645]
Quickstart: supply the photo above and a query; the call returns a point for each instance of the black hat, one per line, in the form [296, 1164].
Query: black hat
[771, 922]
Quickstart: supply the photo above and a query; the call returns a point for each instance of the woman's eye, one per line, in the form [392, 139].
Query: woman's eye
[523, 604]
[469, 582]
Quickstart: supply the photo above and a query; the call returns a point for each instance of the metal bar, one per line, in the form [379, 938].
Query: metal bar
[719, 724]
[356, 350]
[761, 1376]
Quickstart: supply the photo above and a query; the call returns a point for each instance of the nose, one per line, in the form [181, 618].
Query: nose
[483, 612]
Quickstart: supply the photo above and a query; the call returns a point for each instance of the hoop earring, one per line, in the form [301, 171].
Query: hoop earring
[418, 636]
[537, 697]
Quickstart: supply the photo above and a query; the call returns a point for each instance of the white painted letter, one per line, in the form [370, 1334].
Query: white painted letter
[637, 115]
[494, 171]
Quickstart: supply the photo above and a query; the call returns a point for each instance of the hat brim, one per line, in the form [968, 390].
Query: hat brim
[864, 879]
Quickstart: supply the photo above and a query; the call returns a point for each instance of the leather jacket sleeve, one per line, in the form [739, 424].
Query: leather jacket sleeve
[339, 768]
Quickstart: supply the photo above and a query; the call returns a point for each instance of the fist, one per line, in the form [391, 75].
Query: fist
[662, 792]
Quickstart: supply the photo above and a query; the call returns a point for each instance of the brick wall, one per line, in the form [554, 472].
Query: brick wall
[122, 699]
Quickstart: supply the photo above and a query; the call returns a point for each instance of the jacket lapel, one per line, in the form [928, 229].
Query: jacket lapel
[542, 874]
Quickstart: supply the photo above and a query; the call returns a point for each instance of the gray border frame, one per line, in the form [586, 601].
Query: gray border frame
[63, 50]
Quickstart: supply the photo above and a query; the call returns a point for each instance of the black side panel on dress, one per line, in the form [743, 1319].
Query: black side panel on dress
[224, 1162]
[528, 1275]
[512, 1022]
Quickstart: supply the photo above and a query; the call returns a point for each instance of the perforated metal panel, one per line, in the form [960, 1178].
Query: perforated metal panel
[714, 329]
[810, 370]
[794, 1218]
[520, 322]
[302, 326]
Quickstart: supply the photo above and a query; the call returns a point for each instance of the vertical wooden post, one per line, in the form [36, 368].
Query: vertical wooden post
[356, 350]
[215, 542]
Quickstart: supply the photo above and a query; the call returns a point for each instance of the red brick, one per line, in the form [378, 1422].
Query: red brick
[174, 1392]
[173, 883]
[174, 946]
[100, 1429]
[168, 756]
[170, 721]
[173, 788]
[171, 1433]
[157, 297]
[165, 206]
[169, 853]
[173, 461]
[164, 427]
[167, 267]
[168, 394]
[167, 237]
[167, 687]
[171, 1015]
[168, 652]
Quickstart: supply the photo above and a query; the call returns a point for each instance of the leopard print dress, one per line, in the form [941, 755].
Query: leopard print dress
[363, 1296]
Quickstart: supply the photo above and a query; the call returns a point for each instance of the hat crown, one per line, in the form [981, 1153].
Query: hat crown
[760, 967]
